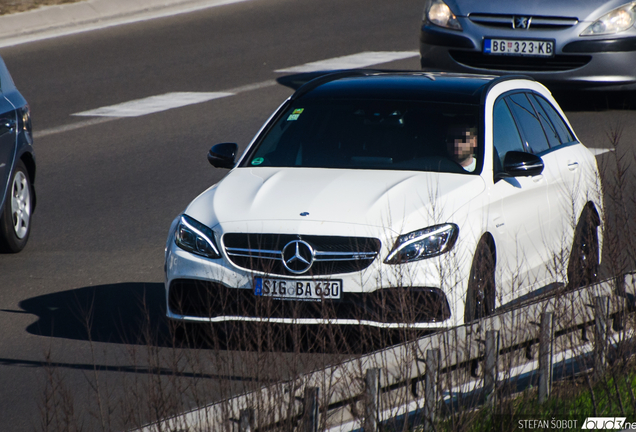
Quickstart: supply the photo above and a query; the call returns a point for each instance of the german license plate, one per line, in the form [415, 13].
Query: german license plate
[307, 289]
[519, 47]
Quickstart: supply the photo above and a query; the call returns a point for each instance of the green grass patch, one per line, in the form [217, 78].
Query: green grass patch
[570, 404]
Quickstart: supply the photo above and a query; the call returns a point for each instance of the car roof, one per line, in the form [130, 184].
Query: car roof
[397, 85]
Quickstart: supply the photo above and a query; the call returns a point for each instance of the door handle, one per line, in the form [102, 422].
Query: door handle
[537, 178]
[572, 166]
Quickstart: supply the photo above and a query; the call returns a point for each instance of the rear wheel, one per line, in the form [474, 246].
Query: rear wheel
[15, 218]
[583, 265]
[480, 295]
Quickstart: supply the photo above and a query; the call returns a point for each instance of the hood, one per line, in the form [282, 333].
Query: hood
[583, 10]
[401, 201]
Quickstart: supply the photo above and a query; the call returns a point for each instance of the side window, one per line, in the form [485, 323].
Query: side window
[505, 135]
[559, 126]
[529, 122]
[549, 129]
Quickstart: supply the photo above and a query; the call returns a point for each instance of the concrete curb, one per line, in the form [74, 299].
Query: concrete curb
[52, 21]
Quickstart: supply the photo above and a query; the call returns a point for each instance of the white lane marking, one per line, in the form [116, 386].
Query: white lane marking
[70, 127]
[168, 101]
[353, 61]
[103, 119]
[255, 86]
[599, 151]
[153, 104]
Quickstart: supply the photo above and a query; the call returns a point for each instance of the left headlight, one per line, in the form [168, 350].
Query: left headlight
[424, 243]
[192, 236]
[616, 21]
[438, 13]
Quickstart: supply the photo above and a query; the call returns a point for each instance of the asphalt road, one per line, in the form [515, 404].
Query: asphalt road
[107, 192]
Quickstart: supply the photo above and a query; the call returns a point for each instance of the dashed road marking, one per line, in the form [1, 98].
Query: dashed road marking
[168, 101]
[360, 60]
[71, 127]
[153, 104]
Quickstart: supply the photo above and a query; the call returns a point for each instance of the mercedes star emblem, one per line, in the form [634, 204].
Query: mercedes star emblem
[298, 256]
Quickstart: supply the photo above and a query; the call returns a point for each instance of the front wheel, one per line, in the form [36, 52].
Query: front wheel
[480, 295]
[15, 218]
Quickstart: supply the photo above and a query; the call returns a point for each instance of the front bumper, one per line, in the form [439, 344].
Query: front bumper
[206, 290]
[600, 63]
[196, 300]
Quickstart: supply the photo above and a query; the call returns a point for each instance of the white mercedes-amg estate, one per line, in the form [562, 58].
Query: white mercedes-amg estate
[389, 200]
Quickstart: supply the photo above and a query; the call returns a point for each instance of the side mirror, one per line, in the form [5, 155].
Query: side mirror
[522, 164]
[223, 155]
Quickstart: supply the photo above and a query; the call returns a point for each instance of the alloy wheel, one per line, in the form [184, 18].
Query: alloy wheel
[20, 205]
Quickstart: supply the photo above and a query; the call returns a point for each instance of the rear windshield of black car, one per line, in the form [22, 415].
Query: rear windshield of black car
[367, 134]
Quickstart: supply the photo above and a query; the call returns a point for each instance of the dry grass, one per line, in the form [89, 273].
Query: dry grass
[13, 6]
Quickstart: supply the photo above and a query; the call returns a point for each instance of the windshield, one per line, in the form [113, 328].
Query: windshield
[367, 134]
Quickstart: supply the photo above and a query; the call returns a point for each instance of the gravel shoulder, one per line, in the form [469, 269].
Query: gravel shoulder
[14, 6]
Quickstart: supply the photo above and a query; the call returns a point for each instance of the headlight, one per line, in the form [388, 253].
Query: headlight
[195, 237]
[422, 244]
[25, 118]
[616, 21]
[440, 14]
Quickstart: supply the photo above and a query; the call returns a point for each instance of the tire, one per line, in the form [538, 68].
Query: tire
[15, 218]
[481, 291]
[583, 265]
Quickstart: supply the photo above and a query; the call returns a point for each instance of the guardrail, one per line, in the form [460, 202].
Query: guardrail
[461, 365]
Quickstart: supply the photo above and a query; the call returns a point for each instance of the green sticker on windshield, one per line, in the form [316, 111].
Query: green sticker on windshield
[258, 161]
[295, 114]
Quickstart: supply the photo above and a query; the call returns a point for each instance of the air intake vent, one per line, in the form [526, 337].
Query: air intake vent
[520, 64]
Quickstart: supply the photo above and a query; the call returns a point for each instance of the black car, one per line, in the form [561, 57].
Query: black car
[17, 166]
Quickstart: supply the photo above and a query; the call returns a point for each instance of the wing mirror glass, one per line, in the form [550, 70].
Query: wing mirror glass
[223, 155]
[521, 164]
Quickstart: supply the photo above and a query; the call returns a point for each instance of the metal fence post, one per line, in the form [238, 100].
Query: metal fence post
[246, 420]
[601, 316]
[490, 366]
[546, 336]
[430, 388]
[371, 400]
[310, 409]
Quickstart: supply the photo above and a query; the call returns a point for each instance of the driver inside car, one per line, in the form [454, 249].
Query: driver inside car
[462, 142]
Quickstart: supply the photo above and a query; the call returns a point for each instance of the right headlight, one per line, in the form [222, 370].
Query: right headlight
[616, 21]
[424, 243]
[192, 236]
[438, 13]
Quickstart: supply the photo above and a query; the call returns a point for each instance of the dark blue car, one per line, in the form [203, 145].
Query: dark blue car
[17, 166]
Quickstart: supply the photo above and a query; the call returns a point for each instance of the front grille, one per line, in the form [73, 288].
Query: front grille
[332, 255]
[388, 305]
[518, 63]
[523, 22]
